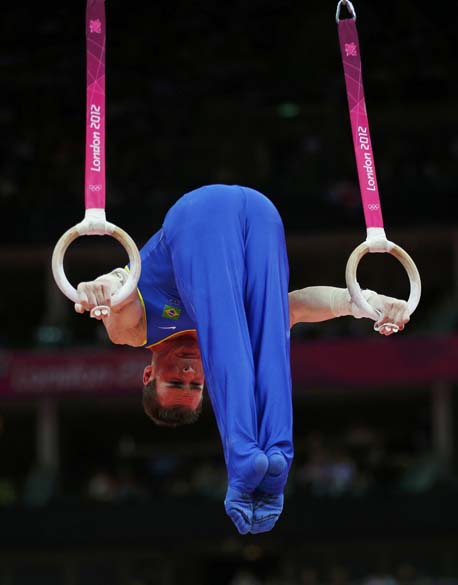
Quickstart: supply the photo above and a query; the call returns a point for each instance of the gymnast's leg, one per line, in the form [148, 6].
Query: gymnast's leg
[208, 251]
[268, 322]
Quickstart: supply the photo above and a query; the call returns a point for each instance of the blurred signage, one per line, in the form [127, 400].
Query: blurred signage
[357, 363]
[376, 362]
[63, 372]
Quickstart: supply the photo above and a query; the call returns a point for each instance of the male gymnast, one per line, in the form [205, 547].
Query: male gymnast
[213, 303]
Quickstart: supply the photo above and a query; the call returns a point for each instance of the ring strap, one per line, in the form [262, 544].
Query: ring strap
[349, 48]
[95, 183]
[94, 222]
[376, 239]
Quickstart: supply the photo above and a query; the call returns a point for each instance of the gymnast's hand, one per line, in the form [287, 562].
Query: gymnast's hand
[392, 312]
[98, 293]
[95, 293]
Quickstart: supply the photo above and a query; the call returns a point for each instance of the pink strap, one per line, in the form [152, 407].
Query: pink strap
[94, 192]
[349, 48]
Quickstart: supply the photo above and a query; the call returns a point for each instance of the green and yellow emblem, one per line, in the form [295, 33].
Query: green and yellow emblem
[171, 312]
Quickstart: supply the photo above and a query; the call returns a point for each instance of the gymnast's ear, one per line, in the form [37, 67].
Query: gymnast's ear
[148, 374]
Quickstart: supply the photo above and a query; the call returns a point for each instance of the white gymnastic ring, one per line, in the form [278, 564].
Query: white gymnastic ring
[112, 230]
[355, 290]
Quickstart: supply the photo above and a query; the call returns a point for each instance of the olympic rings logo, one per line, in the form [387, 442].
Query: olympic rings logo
[95, 187]
[373, 206]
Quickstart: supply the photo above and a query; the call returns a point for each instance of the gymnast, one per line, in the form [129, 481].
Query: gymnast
[212, 303]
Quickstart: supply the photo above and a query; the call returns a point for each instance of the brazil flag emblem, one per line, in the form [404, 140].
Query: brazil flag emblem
[171, 312]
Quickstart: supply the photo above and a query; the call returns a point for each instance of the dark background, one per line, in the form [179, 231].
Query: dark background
[249, 93]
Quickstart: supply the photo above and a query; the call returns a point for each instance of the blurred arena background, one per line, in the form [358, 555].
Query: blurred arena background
[252, 93]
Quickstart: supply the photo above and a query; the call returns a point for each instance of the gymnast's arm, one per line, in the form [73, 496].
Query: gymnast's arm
[320, 303]
[126, 324]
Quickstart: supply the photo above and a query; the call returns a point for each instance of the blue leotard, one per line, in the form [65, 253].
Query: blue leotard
[220, 264]
[165, 314]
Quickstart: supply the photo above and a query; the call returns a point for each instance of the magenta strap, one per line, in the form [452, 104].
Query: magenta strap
[94, 191]
[94, 222]
[349, 48]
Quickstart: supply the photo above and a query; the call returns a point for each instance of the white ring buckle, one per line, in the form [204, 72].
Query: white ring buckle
[349, 6]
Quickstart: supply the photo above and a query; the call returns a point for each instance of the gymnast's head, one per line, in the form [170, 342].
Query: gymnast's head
[173, 383]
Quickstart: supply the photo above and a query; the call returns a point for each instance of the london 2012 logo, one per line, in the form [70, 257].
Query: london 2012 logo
[351, 50]
[95, 26]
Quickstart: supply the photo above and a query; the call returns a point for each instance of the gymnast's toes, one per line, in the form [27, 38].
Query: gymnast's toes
[266, 512]
[239, 508]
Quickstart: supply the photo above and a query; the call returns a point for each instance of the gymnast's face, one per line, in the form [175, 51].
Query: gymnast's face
[177, 368]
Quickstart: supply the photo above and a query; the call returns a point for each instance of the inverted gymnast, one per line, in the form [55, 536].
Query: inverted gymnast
[212, 303]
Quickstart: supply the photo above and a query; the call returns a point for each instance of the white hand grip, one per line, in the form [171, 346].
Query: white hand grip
[100, 312]
[387, 328]
[355, 290]
[83, 229]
